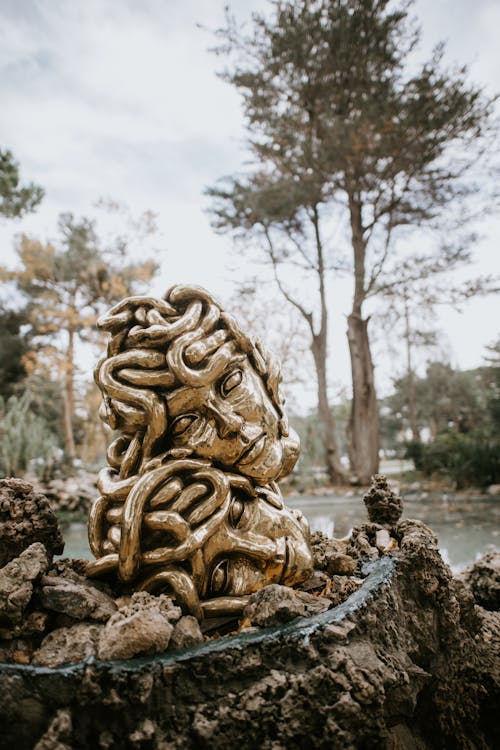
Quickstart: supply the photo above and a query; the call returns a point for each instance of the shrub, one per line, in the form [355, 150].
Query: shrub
[467, 459]
[24, 438]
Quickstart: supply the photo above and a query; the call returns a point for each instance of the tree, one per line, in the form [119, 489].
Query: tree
[15, 200]
[409, 311]
[23, 436]
[490, 378]
[66, 285]
[444, 398]
[261, 209]
[280, 329]
[461, 408]
[338, 120]
[14, 348]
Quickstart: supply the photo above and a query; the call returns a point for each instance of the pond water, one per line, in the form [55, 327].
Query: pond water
[466, 527]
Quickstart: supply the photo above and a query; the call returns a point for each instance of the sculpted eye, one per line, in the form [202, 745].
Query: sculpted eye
[231, 382]
[236, 512]
[181, 424]
[219, 578]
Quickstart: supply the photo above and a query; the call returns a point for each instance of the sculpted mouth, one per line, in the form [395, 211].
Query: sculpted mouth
[253, 451]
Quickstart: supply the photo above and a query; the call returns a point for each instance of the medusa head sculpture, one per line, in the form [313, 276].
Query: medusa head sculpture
[189, 500]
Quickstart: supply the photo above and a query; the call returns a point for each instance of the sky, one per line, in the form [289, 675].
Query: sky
[120, 99]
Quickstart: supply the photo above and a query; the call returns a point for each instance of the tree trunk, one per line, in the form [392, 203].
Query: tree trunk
[363, 426]
[337, 474]
[364, 432]
[411, 380]
[69, 397]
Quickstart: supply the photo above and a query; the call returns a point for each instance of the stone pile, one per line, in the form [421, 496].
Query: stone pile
[410, 660]
[52, 614]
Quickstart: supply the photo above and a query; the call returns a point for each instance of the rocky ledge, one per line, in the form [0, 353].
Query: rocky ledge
[380, 648]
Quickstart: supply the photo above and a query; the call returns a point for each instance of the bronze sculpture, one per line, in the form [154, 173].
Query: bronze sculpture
[189, 502]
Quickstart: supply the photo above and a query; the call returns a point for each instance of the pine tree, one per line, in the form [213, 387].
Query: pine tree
[340, 116]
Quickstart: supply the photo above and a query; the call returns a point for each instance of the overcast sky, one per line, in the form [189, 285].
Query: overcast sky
[119, 98]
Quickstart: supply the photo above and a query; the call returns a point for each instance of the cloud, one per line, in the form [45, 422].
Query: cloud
[121, 98]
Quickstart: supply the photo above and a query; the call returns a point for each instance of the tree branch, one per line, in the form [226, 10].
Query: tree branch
[274, 262]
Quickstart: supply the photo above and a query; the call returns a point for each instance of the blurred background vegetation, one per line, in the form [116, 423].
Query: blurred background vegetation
[341, 129]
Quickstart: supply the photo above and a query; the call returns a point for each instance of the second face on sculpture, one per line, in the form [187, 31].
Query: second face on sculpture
[258, 543]
[231, 420]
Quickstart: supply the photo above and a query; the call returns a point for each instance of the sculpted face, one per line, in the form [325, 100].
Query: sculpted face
[257, 544]
[232, 421]
[189, 501]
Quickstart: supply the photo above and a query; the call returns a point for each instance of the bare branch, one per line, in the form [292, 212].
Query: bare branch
[308, 317]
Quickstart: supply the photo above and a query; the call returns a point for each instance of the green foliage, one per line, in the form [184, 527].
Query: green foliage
[346, 125]
[491, 381]
[337, 112]
[65, 287]
[312, 454]
[15, 200]
[444, 398]
[390, 427]
[14, 347]
[467, 459]
[24, 438]
[46, 401]
[466, 408]
[67, 284]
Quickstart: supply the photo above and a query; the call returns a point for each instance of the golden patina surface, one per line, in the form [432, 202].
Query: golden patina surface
[189, 501]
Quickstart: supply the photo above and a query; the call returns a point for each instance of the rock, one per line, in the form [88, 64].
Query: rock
[142, 625]
[494, 490]
[341, 588]
[413, 665]
[361, 543]
[274, 605]
[384, 541]
[34, 624]
[186, 633]
[74, 568]
[145, 732]
[143, 632]
[58, 734]
[165, 605]
[384, 506]
[18, 650]
[329, 590]
[16, 582]
[343, 565]
[77, 599]
[413, 534]
[323, 548]
[314, 604]
[66, 645]
[26, 517]
[141, 600]
[483, 578]
[329, 555]
[317, 581]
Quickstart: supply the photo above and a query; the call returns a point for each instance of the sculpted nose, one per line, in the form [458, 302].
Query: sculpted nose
[228, 423]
